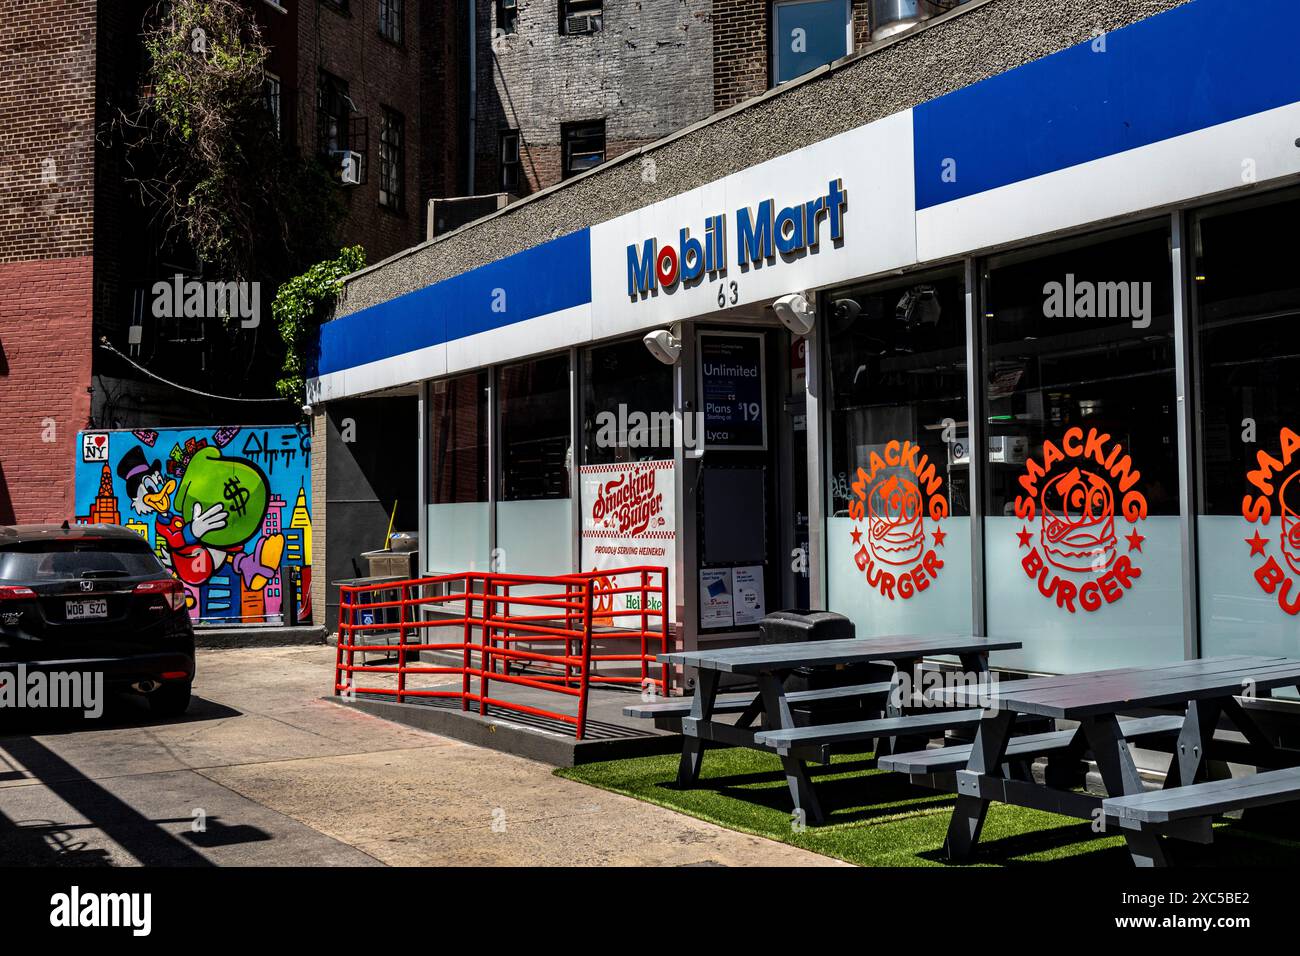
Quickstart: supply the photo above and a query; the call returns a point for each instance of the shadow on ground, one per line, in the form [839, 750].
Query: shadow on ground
[28, 760]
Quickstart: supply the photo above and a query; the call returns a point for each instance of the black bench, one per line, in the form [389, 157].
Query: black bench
[663, 711]
[820, 740]
[1023, 750]
[1185, 811]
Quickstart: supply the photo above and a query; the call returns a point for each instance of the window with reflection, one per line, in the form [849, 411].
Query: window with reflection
[627, 404]
[457, 535]
[1082, 535]
[898, 535]
[1246, 343]
[535, 533]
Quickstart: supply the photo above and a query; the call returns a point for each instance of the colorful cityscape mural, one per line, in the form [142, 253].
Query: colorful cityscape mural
[227, 510]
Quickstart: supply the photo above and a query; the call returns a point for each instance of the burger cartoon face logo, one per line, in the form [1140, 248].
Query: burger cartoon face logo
[1288, 500]
[895, 528]
[899, 558]
[1078, 561]
[1078, 522]
[1270, 496]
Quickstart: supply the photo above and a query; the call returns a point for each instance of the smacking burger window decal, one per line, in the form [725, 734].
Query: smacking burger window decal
[1281, 498]
[1075, 505]
[896, 509]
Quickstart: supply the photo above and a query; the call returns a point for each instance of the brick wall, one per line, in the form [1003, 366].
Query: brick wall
[444, 114]
[742, 47]
[647, 73]
[379, 73]
[47, 160]
[45, 347]
[47, 118]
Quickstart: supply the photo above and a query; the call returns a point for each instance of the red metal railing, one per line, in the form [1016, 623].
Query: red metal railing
[553, 633]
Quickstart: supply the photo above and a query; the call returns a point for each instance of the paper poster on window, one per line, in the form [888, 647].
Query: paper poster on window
[628, 520]
[749, 604]
[715, 598]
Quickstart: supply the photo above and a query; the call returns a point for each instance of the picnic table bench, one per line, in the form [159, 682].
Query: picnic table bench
[1204, 690]
[770, 665]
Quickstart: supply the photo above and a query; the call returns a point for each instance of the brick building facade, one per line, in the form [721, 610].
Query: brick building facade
[47, 221]
[651, 68]
[392, 67]
[79, 253]
[742, 47]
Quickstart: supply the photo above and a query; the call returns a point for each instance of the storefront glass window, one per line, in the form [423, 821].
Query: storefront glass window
[1082, 535]
[627, 403]
[458, 475]
[534, 521]
[1246, 313]
[898, 534]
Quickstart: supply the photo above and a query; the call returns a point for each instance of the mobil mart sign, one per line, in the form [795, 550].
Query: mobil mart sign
[827, 213]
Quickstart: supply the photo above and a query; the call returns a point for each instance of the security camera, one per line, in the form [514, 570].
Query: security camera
[795, 312]
[846, 308]
[664, 346]
[307, 410]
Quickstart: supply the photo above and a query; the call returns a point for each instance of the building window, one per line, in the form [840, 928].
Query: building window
[333, 113]
[392, 159]
[535, 426]
[390, 19]
[1082, 534]
[458, 440]
[341, 135]
[584, 146]
[271, 100]
[534, 520]
[627, 404]
[458, 516]
[898, 533]
[1246, 344]
[578, 17]
[507, 15]
[510, 162]
[340, 5]
[807, 34]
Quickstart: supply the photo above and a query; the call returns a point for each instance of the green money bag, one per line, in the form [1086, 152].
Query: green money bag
[236, 484]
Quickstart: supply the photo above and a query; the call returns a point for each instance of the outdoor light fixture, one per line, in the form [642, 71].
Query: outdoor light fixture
[665, 345]
[795, 312]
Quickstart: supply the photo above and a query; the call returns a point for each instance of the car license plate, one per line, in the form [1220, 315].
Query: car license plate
[80, 610]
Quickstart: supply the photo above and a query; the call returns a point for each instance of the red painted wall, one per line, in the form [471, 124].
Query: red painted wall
[45, 351]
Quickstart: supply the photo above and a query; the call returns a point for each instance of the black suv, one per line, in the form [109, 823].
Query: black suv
[95, 598]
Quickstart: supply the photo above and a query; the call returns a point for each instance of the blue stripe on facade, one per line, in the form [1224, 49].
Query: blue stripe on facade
[1206, 63]
[547, 278]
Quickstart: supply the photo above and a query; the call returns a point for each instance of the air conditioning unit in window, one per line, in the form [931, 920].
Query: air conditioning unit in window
[349, 166]
[509, 4]
[582, 23]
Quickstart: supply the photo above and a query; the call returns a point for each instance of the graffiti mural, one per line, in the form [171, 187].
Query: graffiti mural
[227, 510]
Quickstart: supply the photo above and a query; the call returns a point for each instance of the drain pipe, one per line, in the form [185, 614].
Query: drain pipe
[473, 92]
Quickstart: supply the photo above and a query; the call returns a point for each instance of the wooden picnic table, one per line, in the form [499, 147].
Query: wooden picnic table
[1206, 689]
[771, 664]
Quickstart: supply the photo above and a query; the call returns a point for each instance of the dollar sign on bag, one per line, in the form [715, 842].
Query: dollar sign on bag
[237, 495]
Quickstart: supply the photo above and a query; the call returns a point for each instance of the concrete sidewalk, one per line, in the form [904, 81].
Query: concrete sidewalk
[282, 777]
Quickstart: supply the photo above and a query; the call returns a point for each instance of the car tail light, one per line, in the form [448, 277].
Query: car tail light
[171, 589]
[16, 594]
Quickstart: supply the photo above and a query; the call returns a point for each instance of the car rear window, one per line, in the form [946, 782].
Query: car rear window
[74, 558]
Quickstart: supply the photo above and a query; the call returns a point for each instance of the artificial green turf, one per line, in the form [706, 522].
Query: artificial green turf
[879, 819]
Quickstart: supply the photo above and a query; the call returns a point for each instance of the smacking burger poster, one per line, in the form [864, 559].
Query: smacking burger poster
[628, 520]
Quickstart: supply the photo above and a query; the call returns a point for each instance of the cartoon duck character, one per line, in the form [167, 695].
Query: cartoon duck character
[193, 561]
